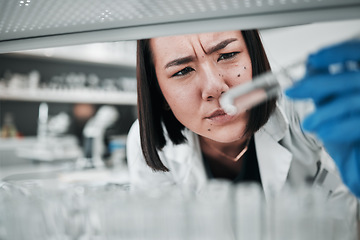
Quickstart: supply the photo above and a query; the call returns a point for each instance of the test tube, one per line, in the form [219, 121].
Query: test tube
[263, 87]
[271, 84]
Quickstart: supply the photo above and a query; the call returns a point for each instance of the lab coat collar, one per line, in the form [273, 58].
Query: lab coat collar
[277, 125]
[274, 160]
[196, 177]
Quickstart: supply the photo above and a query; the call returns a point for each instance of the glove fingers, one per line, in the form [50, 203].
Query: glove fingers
[319, 87]
[339, 130]
[340, 108]
[347, 51]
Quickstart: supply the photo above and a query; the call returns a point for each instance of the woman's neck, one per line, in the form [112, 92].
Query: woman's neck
[217, 150]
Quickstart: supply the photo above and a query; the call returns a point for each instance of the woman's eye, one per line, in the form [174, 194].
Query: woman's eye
[183, 72]
[227, 56]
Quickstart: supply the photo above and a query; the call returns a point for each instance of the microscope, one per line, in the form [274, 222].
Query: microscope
[94, 135]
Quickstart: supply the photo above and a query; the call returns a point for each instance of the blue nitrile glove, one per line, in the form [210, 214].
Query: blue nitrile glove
[336, 119]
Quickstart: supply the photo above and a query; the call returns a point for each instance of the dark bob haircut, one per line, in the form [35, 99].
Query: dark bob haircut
[153, 116]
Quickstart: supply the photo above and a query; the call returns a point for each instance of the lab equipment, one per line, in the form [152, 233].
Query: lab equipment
[8, 129]
[271, 84]
[52, 143]
[117, 150]
[220, 211]
[42, 122]
[337, 100]
[94, 133]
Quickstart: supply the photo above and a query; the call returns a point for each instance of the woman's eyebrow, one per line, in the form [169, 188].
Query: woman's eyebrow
[179, 61]
[220, 45]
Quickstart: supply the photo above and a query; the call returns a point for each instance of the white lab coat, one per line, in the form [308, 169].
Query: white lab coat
[285, 155]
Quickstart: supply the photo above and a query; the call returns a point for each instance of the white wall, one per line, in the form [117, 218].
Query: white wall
[286, 45]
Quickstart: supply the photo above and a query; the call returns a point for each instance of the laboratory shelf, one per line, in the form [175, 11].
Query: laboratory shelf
[36, 24]
[70, 96]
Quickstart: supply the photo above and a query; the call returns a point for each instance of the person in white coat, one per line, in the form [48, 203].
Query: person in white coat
[184, 138]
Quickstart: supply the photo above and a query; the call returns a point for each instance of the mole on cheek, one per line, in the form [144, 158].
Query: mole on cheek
[209, 129]
[244, 67]
[238, 75]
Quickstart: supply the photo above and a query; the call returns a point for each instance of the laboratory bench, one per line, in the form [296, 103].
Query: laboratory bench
[24, 159]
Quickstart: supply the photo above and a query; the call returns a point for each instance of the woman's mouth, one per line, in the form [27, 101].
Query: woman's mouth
[219, 117]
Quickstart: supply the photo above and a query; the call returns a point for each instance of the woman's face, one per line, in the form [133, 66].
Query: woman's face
[193, 71]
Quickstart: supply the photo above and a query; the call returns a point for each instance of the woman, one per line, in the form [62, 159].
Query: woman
[191, 97]
[184, 138]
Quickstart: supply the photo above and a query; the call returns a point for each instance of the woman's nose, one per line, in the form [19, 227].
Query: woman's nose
[214, 84]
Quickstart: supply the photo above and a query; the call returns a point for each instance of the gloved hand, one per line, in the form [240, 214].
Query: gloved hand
[336, 119]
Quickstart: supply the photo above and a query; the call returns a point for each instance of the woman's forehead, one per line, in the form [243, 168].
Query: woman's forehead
[187, 43]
